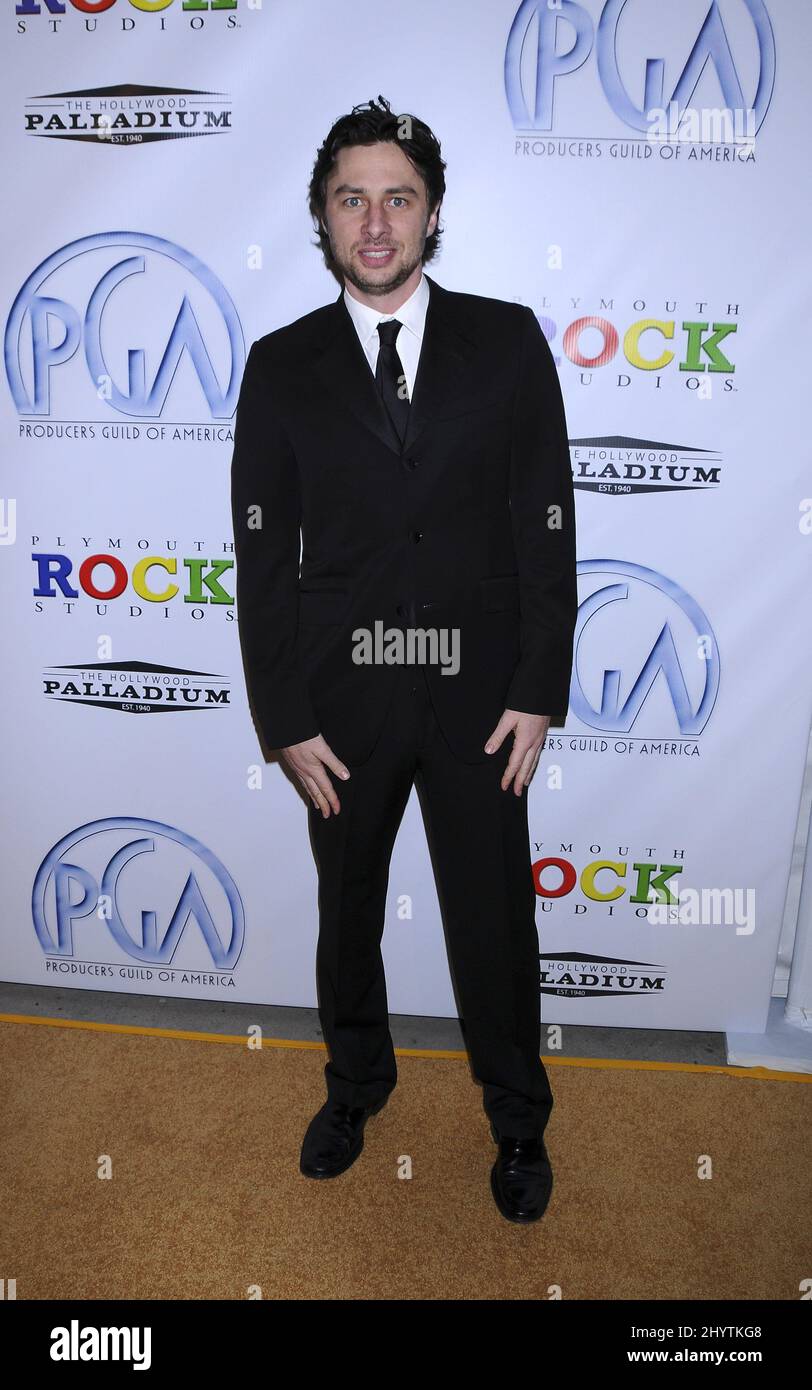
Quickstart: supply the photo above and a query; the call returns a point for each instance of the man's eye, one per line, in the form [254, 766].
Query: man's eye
[354, 199]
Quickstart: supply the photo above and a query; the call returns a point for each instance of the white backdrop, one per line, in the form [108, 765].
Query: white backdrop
[159, 159]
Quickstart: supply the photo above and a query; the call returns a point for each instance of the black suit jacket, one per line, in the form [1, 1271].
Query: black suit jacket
[469, 525]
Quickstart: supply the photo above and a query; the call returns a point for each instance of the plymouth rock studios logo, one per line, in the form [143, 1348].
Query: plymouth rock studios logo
[136, 899]
[149, 16]
[646, 667]
[641, 345]
[668, 71]
[123, 326]
[129, 113]
[133, 579]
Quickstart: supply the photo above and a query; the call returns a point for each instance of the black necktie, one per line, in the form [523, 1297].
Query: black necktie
[391, 378]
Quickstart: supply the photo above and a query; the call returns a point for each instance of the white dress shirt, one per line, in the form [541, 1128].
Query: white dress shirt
[411, 314]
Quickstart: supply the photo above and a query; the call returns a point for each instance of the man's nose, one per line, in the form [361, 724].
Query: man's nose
[377, 222]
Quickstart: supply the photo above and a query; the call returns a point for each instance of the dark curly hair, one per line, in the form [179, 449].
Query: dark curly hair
[365, 125]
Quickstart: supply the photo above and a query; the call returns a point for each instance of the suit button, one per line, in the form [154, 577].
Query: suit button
[417, 536]
[412, 464]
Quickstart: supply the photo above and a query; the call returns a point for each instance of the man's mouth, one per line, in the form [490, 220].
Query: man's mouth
[376, 255]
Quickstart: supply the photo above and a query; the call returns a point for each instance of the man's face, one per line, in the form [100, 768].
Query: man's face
[377, 217]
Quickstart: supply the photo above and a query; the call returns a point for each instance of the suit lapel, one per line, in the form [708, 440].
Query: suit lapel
[344, 371]
[445, 353]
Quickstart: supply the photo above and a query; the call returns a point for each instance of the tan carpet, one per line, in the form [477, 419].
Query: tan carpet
[206, 1200]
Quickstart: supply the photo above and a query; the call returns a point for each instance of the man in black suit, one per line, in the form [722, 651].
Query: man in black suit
[417, 437]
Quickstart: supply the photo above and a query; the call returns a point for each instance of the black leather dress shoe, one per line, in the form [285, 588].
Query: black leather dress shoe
[335, 1138]
[521, 1178]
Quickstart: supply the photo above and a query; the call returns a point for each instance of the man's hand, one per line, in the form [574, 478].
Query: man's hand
[531, 731]
[308, 761]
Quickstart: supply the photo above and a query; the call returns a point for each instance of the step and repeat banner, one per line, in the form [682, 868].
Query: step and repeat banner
[631, 169]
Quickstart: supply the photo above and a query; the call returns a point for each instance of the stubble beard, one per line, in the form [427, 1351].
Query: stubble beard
[379, 287]
[398, 277]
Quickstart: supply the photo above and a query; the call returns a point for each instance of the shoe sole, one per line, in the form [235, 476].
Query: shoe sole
[351, 1157]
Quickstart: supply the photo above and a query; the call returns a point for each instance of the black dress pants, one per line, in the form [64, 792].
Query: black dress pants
[479, 838]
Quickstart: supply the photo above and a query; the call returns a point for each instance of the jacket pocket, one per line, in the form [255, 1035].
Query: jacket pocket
[494, 410]
[500, 593]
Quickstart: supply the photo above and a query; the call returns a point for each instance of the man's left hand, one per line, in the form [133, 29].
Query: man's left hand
[528, 739]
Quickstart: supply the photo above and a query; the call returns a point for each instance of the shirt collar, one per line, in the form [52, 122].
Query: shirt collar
[412, 313]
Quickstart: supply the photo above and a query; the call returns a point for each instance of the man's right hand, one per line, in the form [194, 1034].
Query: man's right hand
[309, 762]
